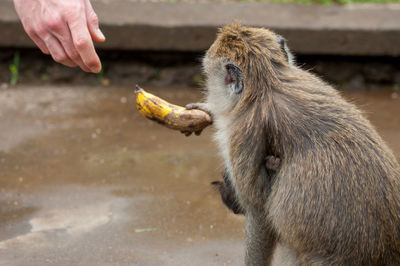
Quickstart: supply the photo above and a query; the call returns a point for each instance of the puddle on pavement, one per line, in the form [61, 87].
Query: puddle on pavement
[82, 173]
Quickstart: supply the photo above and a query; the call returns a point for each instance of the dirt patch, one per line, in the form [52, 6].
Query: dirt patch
[99, 178]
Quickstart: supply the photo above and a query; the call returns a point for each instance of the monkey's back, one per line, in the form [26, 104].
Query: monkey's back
[337, 193]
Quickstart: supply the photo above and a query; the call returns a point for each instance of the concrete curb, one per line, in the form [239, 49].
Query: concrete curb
[310, 29]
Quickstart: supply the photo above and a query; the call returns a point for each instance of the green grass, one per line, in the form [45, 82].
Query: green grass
[100, 75]
[14, 68]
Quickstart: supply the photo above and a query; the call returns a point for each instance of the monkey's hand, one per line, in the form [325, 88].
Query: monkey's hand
[197, 106]
[171, 115]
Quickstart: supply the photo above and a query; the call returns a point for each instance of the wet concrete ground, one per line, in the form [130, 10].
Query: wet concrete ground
[85, 180]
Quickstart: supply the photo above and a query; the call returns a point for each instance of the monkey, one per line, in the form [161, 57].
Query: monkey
[227, 192]
[335, 198]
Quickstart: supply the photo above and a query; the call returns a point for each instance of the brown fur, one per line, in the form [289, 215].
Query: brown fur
[336, 198]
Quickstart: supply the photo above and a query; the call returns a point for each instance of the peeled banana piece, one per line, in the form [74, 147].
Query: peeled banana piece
[171, 115]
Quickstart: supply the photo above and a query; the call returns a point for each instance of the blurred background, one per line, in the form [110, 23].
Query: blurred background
[86, 180]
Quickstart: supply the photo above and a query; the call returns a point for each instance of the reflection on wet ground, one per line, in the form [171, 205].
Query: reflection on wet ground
[86, 180]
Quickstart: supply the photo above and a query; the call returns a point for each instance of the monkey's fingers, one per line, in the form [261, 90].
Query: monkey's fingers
[199, 106]
[170, 115]
[186, 133]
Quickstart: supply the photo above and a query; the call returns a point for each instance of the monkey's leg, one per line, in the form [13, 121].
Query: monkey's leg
[316, 260]
[260, 239]
[285, 255]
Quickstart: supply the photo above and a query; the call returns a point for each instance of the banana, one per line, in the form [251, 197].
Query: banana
[171, 115]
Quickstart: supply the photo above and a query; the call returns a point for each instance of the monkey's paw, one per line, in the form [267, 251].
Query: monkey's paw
[196, 106]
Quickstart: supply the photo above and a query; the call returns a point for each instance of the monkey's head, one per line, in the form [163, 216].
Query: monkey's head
[243, 65]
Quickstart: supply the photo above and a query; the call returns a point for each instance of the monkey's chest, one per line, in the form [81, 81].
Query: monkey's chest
[222, 137]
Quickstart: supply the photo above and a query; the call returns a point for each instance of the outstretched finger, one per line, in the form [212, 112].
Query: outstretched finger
[83, 43]
[93, 23]
[67, 44]
[65, 39]
[57, 51]
[59, 29]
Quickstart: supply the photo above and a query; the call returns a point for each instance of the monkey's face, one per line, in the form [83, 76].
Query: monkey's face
[224, 83]
[242, 65]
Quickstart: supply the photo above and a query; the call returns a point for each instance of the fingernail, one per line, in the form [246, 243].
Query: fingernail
[100, 34]
[96, 69]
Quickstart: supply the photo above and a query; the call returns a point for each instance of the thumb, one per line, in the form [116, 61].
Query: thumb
[93, 24]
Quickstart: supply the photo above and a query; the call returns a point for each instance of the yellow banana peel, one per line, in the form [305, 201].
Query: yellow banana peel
[170, 115]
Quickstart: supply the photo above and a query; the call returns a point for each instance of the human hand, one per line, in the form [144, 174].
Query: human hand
[63, 29]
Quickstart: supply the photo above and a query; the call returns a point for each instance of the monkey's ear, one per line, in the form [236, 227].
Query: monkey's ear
[282, 42]
[234, 77]
[284, 48]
